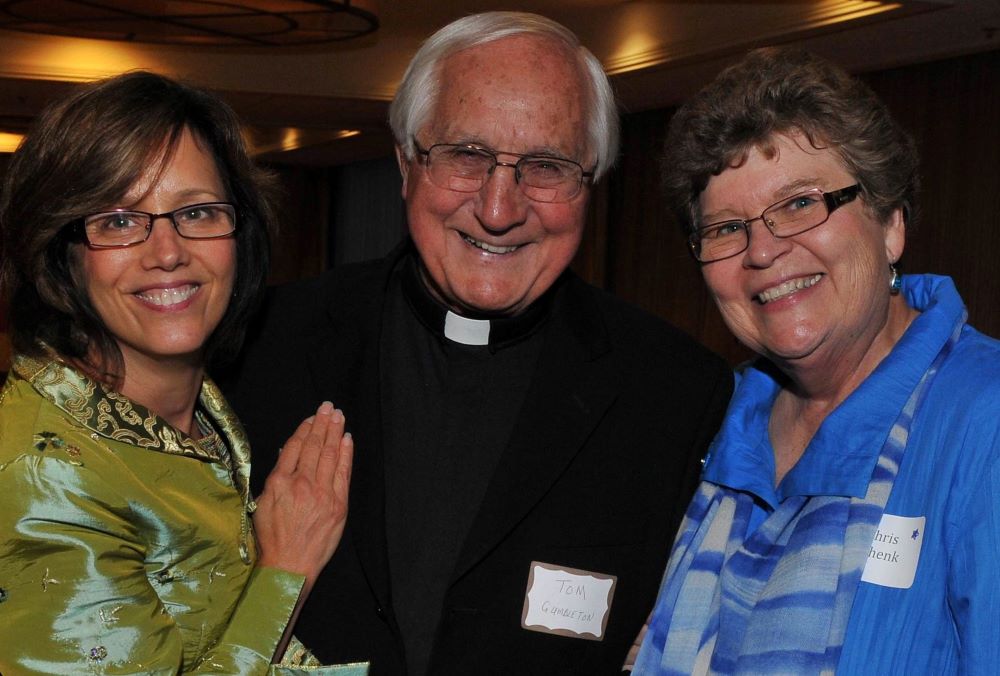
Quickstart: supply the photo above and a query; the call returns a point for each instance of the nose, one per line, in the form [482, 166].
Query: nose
[164, 248]
[763, 248]
[501, 205]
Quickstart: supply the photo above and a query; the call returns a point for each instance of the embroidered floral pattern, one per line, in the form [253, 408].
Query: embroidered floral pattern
[109, 616]
[44, 441]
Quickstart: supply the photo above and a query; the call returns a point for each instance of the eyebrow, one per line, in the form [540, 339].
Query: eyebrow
[544, 151]
[185, 198]
[795, 187]
[784, 191]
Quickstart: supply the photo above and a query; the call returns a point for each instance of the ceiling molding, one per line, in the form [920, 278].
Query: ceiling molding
[657, 51]
[799, 20]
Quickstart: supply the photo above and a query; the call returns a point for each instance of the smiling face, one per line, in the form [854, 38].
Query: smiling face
[495, 250]
[162, 299]
[814, 298]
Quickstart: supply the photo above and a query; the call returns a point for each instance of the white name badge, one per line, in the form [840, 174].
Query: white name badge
[567, 601]
[895, 551]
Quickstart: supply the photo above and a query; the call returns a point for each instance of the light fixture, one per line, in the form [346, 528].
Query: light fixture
[243, 23]
[9, 142]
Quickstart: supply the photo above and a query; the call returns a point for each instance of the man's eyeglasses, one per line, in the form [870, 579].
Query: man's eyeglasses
[791, 216]
[121, 228]
[466, 168]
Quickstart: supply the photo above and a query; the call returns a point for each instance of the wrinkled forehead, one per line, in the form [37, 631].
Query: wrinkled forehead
[522, 90]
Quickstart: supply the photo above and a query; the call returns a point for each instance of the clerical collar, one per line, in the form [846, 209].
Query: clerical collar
[495, 332]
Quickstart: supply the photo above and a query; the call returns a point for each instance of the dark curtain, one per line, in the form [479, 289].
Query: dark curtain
[952, 108]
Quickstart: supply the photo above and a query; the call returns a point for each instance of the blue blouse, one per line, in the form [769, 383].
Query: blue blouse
[948, 621]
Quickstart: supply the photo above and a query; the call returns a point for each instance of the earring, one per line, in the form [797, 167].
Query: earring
[896, 281]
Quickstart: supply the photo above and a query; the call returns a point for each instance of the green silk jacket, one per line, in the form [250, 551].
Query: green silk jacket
[126, 546]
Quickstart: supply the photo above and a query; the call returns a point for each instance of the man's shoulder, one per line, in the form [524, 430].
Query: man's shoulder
[350, 278]
[301, 303]
[640, 335]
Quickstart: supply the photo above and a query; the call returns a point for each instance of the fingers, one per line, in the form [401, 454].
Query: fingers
[337, 467]
[318, 437]
[288, 458]
[323, 440]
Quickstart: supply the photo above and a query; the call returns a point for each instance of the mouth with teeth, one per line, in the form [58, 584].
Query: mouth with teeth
[489, 248]
[787, 288]
[168, 297]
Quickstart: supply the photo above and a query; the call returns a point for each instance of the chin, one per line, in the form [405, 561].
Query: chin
[487, 301]
[487, 307]
[790, 351]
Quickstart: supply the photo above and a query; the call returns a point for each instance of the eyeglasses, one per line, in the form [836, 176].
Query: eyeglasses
[791, 216]
[121, 228]
[466, 168]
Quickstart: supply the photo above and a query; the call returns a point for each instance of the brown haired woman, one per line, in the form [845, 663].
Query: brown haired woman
[847, 518]
[135, 245]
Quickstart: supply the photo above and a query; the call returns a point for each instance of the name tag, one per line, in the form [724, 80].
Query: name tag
[895, 551]
[567, 602]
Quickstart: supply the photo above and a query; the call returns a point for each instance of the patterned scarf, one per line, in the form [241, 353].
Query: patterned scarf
[777, 601]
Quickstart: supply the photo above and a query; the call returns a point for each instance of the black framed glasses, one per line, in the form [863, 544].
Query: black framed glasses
[122, 227]
[787, 218]
[466, 168]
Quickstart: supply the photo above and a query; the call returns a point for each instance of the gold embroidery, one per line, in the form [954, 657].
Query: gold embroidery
[46, 581]
[108, 413]
[214, 573]
[45, 442]
[109, 617]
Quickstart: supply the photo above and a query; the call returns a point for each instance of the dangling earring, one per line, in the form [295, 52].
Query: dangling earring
[896, 282]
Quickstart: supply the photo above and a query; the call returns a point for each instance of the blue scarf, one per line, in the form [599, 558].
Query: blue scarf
[778, 600]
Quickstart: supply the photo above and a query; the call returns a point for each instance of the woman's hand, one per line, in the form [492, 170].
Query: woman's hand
[301, 514]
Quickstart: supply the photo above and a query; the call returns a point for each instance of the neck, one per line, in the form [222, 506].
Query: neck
[830, 378]
[167, 387]
[816, 387]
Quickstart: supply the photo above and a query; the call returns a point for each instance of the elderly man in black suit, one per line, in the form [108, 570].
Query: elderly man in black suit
[525, 442]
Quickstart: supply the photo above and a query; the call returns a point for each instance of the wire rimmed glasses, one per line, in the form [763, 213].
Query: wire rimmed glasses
[466, 168]
[787, 218]
[123, 227]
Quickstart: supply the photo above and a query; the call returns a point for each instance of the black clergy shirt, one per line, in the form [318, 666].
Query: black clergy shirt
[448, 412]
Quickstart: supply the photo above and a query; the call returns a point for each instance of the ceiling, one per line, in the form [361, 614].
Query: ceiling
[325, 104]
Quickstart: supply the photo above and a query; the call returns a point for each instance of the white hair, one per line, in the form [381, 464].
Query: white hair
[417, 93]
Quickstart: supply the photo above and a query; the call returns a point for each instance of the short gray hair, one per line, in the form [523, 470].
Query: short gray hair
[419, 89]
[778, 90]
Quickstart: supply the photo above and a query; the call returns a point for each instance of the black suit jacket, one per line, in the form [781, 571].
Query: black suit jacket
[603, 458]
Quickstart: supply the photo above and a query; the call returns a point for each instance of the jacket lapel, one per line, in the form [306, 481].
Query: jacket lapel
[572, 387]
[344, 355]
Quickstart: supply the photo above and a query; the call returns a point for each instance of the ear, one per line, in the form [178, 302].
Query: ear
[404, 166]
[894, 234]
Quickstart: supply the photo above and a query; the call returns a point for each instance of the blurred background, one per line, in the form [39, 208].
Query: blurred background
[313, 80]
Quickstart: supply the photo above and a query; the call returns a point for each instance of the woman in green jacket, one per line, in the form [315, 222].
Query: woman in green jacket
[134, 247]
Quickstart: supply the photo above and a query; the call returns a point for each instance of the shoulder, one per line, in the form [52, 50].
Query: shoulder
[296, 317]
[45, 455]
[642, 338]
[312, 299]
[970, 377]
[957, 429]
[31, 423]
